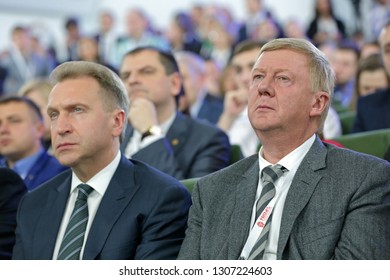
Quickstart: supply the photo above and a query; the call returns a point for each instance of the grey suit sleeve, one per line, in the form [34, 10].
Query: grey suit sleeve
[366, 229]
[190, 249]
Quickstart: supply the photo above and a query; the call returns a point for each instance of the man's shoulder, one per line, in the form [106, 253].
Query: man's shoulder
[198, 125]
[352, 160]
[233, 171]
[381, 98]
[50, 164]
[46, 187]
[145, 175]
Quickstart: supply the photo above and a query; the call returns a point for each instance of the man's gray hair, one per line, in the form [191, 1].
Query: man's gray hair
[321, 73]
[113, 91]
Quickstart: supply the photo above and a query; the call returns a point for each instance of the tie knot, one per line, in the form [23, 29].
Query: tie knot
[84, 191]
[272, 173]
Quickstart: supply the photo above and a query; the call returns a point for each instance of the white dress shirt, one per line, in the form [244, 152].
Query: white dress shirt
[99, 183]
[241, 133]
[282, 185]
[135, 144]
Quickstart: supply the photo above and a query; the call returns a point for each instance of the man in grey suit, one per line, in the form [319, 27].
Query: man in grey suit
[329, 203]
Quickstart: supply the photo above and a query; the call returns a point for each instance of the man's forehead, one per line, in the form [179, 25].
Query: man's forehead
[138, 61]
[250, 54]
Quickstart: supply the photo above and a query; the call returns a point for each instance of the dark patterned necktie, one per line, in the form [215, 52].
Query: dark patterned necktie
[74, 234]
[269, 176]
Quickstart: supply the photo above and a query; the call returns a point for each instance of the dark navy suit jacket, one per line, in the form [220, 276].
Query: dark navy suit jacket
[211, 108]
[191, 148]
[142, 215]
[12, 188]
[373, 112]
[45, 168]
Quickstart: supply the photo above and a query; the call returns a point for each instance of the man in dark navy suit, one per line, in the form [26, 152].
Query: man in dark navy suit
[134, 211]
[160, 135]
[373, 111]
[200, 104]
[12, 188]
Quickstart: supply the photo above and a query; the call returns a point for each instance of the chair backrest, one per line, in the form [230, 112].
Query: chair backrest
[235, 153]
[346, 119]
[189, 183]
[375, 142]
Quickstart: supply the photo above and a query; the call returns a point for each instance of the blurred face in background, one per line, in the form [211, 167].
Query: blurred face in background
[88, 49]
[371, 81]
[344, 63]
[242, 65]
[193, 81]
[20, 131]
[384, 42]
[106, 22]
[36, 96]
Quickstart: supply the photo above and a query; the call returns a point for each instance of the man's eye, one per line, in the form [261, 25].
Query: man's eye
[124, 76]
[258, 77]
[77, 109]
[53, 115]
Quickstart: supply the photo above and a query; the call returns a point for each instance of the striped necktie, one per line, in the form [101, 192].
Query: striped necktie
[73, 239]
[269, 176]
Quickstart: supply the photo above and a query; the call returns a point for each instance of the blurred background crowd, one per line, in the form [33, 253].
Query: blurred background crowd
[103, 31]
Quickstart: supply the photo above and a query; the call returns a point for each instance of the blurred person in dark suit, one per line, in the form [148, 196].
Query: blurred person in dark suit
[373, 111]
[200, 103]
[21, 62]
[12, 188]
[158, 133]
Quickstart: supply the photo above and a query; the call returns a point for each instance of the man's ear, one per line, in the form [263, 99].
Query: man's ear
[40, 127]
[119, 119]
[176, 83]
[320, 101]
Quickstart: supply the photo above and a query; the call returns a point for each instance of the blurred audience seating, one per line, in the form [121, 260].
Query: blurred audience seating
[347, 118]
[375, 142]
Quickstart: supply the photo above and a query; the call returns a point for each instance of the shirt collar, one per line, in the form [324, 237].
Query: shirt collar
[293, 159]
[167, 124]
[24, 165]
[101, 180]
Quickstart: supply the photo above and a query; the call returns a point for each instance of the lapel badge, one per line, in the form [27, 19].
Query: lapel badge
[175, 142]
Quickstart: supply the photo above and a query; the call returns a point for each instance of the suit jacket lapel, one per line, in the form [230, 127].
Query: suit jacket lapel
[118, 195]
[51, 219]
[240, 222]
[302, 187]
[177, 133]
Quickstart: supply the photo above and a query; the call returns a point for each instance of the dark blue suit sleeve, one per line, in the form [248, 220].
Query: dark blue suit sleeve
[163, 230]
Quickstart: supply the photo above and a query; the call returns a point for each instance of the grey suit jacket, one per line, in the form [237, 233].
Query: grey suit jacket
[338, 207]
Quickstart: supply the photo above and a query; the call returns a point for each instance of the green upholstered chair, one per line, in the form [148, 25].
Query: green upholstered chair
[347, 118]
[189, 183]
[235, 153]
[375, 142]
